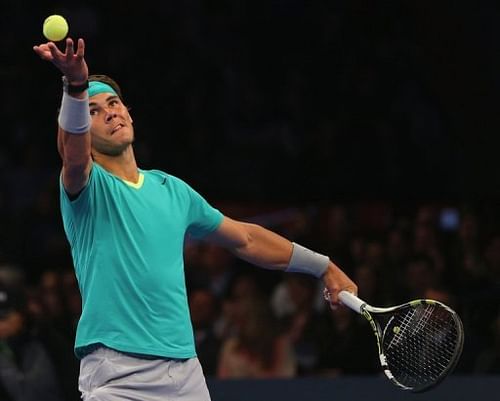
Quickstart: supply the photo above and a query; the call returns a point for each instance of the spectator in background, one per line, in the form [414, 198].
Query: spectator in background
[204, 310]
[242, 288]
[51, 298]
[376, 272]
[465, 253]
[337, 232]
[426, 239]
[36, 362]
[55, 301]
[419, 275]
[441, 294]
[483, 303]
[368, 279]
[214, 267]
[374, 254]
[72, 300]
[488, 361]
[357, 249]
[294, 301]
[397, 248]
[348, 346]
[397, 251]
[257, 350]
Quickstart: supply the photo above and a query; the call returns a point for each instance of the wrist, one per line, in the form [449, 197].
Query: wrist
[304, 260]
[329, 268]
[74, 87]
[74, 115]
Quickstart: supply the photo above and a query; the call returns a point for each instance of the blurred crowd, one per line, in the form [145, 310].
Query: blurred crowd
[253, 323]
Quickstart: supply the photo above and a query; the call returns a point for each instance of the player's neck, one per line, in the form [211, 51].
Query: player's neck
[123, 166]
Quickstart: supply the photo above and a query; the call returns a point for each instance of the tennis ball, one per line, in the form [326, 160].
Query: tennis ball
[55, 28]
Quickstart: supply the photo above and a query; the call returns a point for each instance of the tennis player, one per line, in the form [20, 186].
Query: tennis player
[126, 227]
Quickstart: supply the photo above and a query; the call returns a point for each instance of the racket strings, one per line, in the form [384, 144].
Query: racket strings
[420, 344]
[398, 334]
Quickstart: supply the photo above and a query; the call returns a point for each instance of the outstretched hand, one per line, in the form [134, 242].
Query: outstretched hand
[72, 64]
[335, 281]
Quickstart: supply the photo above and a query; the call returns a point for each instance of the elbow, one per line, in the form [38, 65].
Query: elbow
[246, 240]
[75, 160]
[75, 150]
[239, 239]
[74, 166]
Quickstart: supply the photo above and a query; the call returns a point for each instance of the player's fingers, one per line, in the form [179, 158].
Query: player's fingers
[41, 52]
[80, 50]
[334, 298]
[54, 51]
[43, 46]
[353, 289]
[45, 56]
[330, 299]
[70, 51]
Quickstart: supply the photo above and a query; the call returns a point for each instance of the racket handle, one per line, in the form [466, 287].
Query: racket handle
[351, 301]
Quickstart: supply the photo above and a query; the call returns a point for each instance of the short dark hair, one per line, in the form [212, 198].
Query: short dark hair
[107, 80]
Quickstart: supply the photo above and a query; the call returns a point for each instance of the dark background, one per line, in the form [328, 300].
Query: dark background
[282, 99]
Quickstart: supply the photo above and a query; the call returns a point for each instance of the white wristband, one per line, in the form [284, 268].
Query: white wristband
[74, 116]
[304, 260]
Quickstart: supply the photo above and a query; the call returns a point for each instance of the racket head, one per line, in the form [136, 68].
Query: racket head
[420, 343]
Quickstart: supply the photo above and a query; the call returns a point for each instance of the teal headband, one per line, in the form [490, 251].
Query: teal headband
[96, 87]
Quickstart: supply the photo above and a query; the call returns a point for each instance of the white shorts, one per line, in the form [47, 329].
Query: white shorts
[108, 375]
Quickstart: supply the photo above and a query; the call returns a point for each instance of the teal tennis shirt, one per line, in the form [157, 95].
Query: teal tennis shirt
[127, 244]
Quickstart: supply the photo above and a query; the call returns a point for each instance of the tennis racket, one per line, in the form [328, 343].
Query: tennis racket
[419, 342]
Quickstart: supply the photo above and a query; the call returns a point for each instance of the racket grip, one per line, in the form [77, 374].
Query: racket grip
[351, 301]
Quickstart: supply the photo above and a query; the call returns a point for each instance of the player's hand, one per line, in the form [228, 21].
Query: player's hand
[335, 281]
[72, 64]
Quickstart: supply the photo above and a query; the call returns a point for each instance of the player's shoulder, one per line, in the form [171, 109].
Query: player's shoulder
[157, 175]
[164, 178]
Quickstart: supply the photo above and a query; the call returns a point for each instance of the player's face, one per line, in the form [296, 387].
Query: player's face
[112, 129]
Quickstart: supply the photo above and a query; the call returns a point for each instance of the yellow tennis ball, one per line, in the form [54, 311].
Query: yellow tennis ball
[55, 28]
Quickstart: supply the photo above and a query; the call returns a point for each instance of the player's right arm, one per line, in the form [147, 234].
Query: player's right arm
[74, 147]
[76, 160]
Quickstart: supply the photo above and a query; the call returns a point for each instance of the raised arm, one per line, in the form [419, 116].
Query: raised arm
[73, 138]
[264, 248]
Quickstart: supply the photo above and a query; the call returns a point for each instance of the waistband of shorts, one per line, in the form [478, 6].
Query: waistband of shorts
[89, 349]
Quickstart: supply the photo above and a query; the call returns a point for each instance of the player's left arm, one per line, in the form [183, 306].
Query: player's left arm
[253, 243]
[262, 247]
